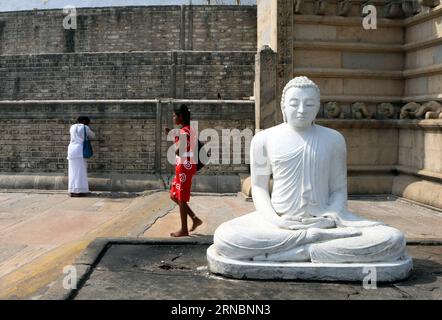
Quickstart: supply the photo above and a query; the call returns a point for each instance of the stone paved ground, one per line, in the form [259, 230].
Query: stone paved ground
[41, 232]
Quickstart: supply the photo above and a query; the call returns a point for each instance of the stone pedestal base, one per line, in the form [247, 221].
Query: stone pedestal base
[385, 271]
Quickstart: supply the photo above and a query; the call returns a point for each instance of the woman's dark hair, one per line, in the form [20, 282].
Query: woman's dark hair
[84, 120]
[184, 111]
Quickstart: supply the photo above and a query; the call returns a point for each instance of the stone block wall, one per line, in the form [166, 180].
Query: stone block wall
[420, 142]
[34, 136]
[115, 29]
[420, 162]
[423, 57]
[371, 153]
[354, 68]
[420, 147]
[379, 87]
[225, 28]
[188, 74]
[122, 66]
[362, 73]
[215, 117]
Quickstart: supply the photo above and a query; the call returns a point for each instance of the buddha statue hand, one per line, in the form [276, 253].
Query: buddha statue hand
[306, 223]
[346, 219]
[282, 222]
[319, 222]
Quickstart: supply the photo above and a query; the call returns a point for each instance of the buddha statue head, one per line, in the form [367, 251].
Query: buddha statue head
[300, 102]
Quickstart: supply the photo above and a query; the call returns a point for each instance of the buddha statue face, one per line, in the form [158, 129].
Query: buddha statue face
[301, 105]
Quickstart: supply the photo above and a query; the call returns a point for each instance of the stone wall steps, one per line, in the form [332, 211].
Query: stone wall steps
[348, 73]
[347, 46]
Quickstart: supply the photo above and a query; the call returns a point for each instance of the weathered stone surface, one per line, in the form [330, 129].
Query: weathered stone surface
[143, 28]
[418, 189]
[34, 139]
[149, 52]
[266, 106]
[127, 75]
[407, 54]
[179, 271]
[373, 61]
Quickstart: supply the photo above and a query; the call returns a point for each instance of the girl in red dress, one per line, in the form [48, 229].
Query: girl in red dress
[185, 169]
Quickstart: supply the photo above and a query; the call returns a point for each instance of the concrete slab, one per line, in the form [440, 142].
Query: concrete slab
[149, 269]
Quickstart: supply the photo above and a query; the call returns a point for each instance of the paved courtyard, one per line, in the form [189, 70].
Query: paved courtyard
[42, 232]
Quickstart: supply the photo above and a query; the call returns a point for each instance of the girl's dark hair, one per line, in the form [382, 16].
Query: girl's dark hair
[84, 120]
[184, 111]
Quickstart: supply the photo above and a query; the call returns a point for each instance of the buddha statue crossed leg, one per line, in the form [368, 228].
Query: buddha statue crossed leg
[304, 218]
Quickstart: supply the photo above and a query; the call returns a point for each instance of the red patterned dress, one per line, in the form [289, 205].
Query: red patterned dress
[185, 167]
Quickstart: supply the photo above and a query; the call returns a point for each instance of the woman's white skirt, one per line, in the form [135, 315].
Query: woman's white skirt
[78, 182]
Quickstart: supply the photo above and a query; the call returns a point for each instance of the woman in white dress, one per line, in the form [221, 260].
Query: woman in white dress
[78, 182]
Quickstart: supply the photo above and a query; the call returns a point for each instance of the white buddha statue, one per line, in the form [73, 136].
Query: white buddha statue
[304, 218]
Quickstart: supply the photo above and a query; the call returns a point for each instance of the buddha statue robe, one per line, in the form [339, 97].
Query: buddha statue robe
[309, 190]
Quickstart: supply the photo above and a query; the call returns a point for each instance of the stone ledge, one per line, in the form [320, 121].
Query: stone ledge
[124, 101]
[348, 73]
[422, 98]
[343, 21]
[423, 16]
[121, 183]
[418, 190]
[422, 71]
[422, 44]
[365, 98]
[429, 124]
[419, 172]
[347, 46]
[126, 183]
[386, 271]
[216, 183]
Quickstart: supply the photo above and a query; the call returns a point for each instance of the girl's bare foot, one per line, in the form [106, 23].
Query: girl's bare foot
[196, 223]
[180, 233]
